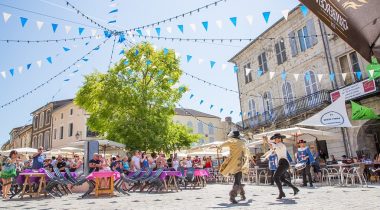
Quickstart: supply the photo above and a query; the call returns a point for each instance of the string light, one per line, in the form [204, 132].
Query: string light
[176, 17]
[50, 79]
[85, 16]
[189, 113]
[47, 40]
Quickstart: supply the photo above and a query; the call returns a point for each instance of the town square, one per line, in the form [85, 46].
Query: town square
[111, 104]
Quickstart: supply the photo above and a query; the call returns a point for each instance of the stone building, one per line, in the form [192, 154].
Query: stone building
[21, 137]
[287, 74]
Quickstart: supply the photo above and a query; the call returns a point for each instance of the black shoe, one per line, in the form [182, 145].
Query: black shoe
[282, 194]
[311, 185]
[295, 190]
[233, 201]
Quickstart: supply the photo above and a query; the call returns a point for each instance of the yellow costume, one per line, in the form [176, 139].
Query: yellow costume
[238, 160]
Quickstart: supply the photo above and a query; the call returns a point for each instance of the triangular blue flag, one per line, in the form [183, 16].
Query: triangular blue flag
[54, 26]
[126, 62]
[211, 106]
[358, 74]
[181, 89]
[180, 27]
[85, 59]
[148, 62]
[283, 75]
[304, 10]
[113, 11]
[80, 30]
[112, 21]
[96, 48]
[212, 63]
[86, 43]
[121, 52]
[49, 60]
[266, 16]
[75, 71]
[136, 52]
[205, 25]
[166, 51]
[66, 80]
[241, 113]
[107, 34]
[23, 21]
[139, 32]
[12, 71]
[332, 76]
[201, 102]
[236, 69]
[28, 66]
[66, 49]
[158, 31]
[121, 38]
[231, 112]
[233, 20]
[191, 96]
[221, 110]
[259, 72]
[307, 76]
[188, 58]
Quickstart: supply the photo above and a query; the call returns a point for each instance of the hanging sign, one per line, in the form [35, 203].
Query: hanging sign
[355, 90]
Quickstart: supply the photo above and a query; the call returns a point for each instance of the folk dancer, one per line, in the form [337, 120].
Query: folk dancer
[304, 155]
[237, 163]
[283, 164]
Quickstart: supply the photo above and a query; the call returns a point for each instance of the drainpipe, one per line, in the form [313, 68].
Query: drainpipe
[330, 65]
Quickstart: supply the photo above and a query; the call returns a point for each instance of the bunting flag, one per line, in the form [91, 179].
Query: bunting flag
[247, 71]
[191, 96]
[180, 27]
[6, 16]
[212, 63]
[126, 62]
[54, 26]
[121, 38]
[136, 52]
[319, 77]
[233, 20]
[201, 102]
[211, 106]
[283, 75]
[49, 60]
[266, 16]
[93, 32]
[236, 69]
[169, 29]
[307, 76]
[111, 21]
[28, 66]
[67, 29]
[231, 112]
[66, 80]
[332, 76]
[285, 13]
[12, 71]
[39, 24]
[121, 52]
[80, 30]
[39, 63]
[85, 59]
[249, 19]
[205, 25]
[304, 10]
[139, 32]
[113, 11]
[20, 69]
[147, 31]
[66, 49]
[193, 27]
[107, 34]
[23, 21]
[224, 66]
[158, 31]
[148, 62]
[221, 110]
[358, 74]
[296, 76]
[188, 58]
[200, 61]
[344, 75]
[360, 112]
[3, 74]
[271, 75]
[219, 23]
[166, 51]
[373, 68]
[259, 72]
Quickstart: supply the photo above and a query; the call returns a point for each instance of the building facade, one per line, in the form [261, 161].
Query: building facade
[287, 73]
[21, 137]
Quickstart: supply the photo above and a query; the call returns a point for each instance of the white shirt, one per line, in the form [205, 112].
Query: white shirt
[280, 150]
[175, 164]
[189, 164]
[136, 162]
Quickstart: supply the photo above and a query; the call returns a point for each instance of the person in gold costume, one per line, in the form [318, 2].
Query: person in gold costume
[236, 164]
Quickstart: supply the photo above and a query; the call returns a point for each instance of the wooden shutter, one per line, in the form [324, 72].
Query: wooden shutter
[311, 29]
[293, 43]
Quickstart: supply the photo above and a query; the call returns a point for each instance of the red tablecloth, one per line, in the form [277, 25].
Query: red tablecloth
[103, 174]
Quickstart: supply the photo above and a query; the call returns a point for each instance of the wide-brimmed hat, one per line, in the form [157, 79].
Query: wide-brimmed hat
[301, 141]
[277, 135]
[235, 134]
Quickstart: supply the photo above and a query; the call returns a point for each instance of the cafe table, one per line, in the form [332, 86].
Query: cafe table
[109, 176]
[28, 182]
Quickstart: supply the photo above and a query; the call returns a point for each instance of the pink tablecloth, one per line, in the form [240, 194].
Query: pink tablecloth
[165, 174]
[103, 174]
[200, 172]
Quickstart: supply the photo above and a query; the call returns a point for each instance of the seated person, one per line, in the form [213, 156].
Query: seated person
[61, 164]
[94, 164]
[47, 165]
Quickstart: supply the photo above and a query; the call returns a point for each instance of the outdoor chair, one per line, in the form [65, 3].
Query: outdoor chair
[190, 178]
[55, 182]
[126, 179]
[263, 174]
[330, 174]
[70, 178]
[154, 182]
[139, 181]
[357, 173]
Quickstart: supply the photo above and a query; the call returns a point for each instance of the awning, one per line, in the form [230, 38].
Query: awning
[298, 131]
[355, 21]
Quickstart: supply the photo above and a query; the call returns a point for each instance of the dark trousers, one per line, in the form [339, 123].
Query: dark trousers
[279, 175]
[238, 176]
[306, 172]
[271, 177]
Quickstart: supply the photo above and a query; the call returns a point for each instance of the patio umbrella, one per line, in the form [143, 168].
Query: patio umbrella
[104, 145]
[355, 21]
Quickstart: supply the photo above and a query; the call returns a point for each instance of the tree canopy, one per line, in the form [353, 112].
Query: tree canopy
[134, 102]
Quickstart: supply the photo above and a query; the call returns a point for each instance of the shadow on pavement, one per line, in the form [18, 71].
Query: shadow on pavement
[283, 201]
[230, 205]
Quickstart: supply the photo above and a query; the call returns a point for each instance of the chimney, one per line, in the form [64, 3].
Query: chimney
[228, 119]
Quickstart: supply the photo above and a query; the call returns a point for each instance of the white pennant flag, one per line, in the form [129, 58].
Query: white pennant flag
[169, 29]
[224, 66]
[4, 74]
[250, 19]
[371, 72]
[20, 69]
[247, 70]
[200, 61]
[296, 76]
[344, 75]
[114, 5]
[285, 13]
[67, 29]
[129, 33]
[177, 54]
[193, 27]
[39, 63]
[271, 74]
[6, 16]
[219, 23]
[147, 31]
[39, 24]
[93, 32]
[320, 76]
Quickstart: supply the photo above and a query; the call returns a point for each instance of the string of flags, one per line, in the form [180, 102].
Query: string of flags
[113, 12]
[81, 59]
[189, 113]
[49, 40]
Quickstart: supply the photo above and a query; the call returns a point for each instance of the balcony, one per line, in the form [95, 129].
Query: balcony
[317, 100]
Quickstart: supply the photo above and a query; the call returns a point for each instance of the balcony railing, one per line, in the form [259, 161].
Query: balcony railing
[288, 110]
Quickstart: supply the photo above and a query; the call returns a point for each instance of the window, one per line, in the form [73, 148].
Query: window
[263, 64]
[90, 133]
[35, 123]
[46, 143]
[61, 132]
[61, 115]
[42, 117]
[40, 140]
[35, 142]
[48, 116]
[349, 64]
[287, 92]
[71, 111]
[200, 127]
[280, 52]
[310, 83]
[293, 43]
[268, 104]
[70, 129]
[355, 66]
[210, 129]
[248, 73]
[251, 108]
[303, 38]
[55, 133]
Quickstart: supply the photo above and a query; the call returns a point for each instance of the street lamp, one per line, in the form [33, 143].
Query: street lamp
[78, 135]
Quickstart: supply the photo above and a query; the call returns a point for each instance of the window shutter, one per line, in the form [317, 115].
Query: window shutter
[283, 51]
[265, 62]
[278, 53]
[311, 29]
[293, 43]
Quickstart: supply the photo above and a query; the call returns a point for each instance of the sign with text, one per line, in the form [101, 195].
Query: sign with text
[355, 90]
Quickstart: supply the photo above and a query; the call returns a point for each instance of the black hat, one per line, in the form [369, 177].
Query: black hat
[234, 134]
[301, 141]
[277, 135]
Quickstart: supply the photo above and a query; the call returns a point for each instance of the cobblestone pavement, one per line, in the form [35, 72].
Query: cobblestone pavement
[215, 196]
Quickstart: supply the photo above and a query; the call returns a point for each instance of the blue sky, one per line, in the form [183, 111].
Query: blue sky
[131, 14]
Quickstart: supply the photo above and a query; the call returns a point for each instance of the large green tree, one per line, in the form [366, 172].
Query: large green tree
[134, 102]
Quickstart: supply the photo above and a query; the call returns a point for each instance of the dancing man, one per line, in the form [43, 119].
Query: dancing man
[280, 150]
[237, 163]
[304, 155]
